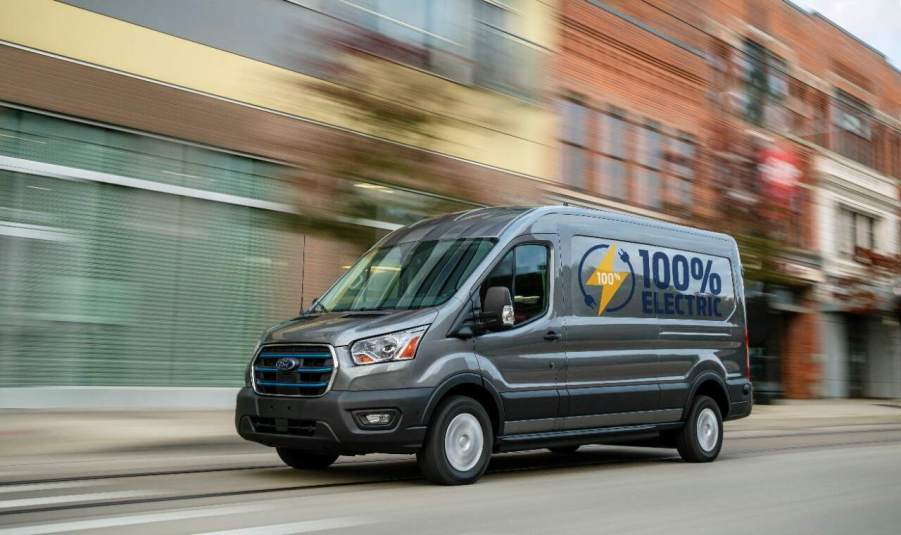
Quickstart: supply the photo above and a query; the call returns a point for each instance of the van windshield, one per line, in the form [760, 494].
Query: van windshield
[405, 276]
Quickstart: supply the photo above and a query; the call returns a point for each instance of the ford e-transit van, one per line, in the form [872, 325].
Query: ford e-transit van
[502, 329]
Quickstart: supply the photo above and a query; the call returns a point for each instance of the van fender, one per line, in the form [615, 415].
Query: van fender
[465, 378]
[700, 379]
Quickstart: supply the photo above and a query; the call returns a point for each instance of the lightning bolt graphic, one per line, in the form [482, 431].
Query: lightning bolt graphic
[607, 279]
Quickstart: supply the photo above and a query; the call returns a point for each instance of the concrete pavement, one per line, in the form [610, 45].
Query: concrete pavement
[834, 479]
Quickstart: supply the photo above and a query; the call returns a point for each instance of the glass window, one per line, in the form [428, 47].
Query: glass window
[613, 177]
[777, 77]
[648, 188]
[649, 154]
[853, 138]
[613, 136]
[845, 231]
[756, 83]
[855, 230]
[530, 282]
[524, 271]
[574, 165]
[611, 166]
[430, 35]
[575, 138]
[501, 275]
[680, 191]
[406, 276]
[494, 64]
[682, 160]
[574, 123]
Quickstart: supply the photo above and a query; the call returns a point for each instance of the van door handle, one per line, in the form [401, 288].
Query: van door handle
[551, 336]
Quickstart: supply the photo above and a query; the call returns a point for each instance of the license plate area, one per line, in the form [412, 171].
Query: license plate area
[283, 409]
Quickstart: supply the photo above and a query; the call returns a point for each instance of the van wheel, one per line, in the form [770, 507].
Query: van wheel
[458, 444]
[306, 460]
[564, 450]
[701, 439]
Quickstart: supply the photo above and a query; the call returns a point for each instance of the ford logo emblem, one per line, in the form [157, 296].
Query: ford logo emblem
[286, 365]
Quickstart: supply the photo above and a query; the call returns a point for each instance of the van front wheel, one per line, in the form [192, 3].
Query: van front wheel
[458, 444]
[306, 460]
[701, 439]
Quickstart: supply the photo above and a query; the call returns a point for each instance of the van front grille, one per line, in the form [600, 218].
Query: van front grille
[293, 370]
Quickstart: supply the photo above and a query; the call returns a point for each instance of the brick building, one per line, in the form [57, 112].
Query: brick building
[733, 115]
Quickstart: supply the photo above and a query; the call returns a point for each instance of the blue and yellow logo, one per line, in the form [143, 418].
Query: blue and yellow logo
[612, 271]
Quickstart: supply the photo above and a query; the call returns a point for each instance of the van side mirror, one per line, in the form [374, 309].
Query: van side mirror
[497, 308]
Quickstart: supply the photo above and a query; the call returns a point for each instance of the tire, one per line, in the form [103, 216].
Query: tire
[306, 460]
[701, 439]
[564, 450]
[463, 421]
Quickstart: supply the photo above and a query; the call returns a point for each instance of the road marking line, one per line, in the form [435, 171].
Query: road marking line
[130, 520]
[69, 498]
[29, 487]
[306, 526]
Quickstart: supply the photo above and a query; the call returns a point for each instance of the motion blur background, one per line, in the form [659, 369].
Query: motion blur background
[177, 176]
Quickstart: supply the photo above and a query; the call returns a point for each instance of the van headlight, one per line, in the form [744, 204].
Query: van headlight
[387, 347]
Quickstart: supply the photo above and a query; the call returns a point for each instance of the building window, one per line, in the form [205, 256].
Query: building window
[423, 33]
[468, 41]
[855, 231]
[647, 178]
[853, 134]
[575, 144]
[503, 60]
[894, 164]
[647, 187]
[764, 78]
[597, 154]
[612, 162]
[681, 158]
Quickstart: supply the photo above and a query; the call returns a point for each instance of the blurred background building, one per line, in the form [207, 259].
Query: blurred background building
[174, 177]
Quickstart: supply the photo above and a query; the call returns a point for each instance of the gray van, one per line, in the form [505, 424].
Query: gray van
[503, 329]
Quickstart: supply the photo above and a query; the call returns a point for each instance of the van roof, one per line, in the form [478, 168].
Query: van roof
[492, 222]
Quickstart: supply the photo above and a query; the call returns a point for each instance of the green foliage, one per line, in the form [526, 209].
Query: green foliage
[351, 177]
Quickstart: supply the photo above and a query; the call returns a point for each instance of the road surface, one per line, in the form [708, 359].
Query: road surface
[842, 479]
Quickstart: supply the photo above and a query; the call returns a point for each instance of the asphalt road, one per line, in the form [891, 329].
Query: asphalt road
[839, 479]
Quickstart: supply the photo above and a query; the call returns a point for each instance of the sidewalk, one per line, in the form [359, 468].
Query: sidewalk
[30, 433]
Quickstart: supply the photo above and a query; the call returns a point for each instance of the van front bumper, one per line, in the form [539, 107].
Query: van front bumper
[328, 423]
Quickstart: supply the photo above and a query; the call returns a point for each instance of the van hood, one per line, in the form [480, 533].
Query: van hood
[344, 328]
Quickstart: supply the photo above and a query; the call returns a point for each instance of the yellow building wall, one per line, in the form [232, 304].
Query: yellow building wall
[484, 127]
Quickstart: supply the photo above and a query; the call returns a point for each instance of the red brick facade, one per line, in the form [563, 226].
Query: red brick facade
[680, 65]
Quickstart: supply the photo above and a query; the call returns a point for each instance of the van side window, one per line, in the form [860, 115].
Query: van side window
[523, 271]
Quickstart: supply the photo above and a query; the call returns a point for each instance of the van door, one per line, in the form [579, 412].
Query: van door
[524, 362]
[701, 326]
[611, 342]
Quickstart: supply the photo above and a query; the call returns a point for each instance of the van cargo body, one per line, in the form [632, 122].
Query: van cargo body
[502, 329]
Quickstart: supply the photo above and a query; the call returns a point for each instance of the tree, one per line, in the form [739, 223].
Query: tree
[384, 100]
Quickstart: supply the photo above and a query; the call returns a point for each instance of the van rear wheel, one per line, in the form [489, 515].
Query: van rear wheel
[306, 460]
[458, 444]
[701, 439]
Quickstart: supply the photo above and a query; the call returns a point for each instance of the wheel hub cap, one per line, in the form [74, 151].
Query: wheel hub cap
[708, 430]
[463, 442]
